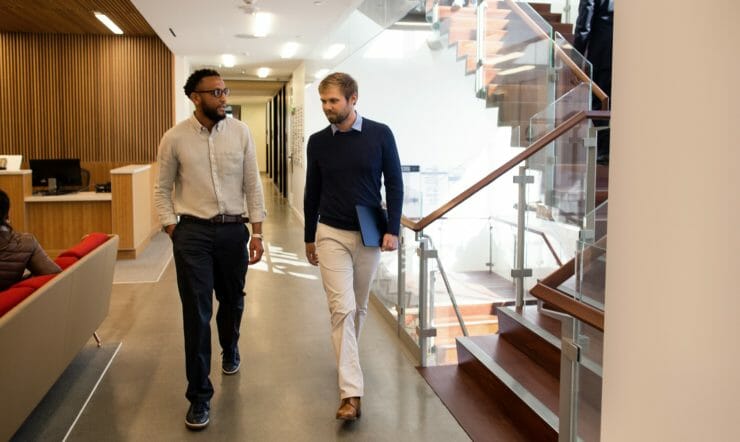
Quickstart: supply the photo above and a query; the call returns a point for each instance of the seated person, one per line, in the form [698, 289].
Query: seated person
[19, 251]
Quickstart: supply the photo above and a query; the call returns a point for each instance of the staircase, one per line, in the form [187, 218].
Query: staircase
[516, 71]
[517, 383]
[555, 20]
[506, 386]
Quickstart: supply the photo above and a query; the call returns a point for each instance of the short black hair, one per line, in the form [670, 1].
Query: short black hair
[195, 78]
[4, 208]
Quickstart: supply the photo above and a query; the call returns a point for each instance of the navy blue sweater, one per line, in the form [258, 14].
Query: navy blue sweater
[344, 169]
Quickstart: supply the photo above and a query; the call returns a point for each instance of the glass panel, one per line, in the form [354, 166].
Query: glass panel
[385, 285]
[590, 278]
[556, 202]
[575, 100]
[361, 26]
[475, 243]
[515, 54]
[589, 380]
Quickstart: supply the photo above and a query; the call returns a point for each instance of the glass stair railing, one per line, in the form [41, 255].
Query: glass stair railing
[521, 64]
[458, 264]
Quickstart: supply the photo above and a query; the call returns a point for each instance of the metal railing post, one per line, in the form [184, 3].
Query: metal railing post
[519, 272]
[570, 357]
[401, 294]
[591, 150]
[423, 293]
[480, 55]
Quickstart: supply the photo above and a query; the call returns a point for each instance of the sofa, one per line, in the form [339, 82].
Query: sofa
[46, 320]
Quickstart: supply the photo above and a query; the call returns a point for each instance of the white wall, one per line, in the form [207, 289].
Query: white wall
[297, 138]
[672, 358]
[429, 103]
[183, 106]
[254, 114]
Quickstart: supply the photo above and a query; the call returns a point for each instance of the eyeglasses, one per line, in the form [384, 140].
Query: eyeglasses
[217, 92]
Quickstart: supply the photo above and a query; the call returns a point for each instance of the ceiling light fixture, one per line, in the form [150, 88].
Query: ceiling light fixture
[262, 24]
[289, 50]
[108, 23]
[333, 51]
[228, 60]
[263, 72]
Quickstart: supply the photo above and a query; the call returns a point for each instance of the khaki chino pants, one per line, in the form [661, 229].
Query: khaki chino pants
[347, 269]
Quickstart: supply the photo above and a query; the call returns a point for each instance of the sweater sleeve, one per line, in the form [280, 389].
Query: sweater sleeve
[312, 193]
[393, 181]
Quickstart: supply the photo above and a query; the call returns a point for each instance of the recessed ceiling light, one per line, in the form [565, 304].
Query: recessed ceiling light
[320, 74]
[262, 24]
[263, 72]
[108, 23]
[333, 51]
[289, 50]
[228, 60]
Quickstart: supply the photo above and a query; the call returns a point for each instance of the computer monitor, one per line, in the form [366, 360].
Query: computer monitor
[10, 162]
[66, 173]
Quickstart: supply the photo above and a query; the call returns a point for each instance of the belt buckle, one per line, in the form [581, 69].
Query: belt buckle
[223, 218]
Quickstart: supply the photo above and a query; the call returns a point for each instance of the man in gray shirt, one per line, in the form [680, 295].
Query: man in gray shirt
[211, 163]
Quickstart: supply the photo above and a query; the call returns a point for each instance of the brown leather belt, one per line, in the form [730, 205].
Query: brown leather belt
[218, 219]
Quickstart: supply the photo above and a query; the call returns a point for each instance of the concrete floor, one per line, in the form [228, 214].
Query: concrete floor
[286, 389]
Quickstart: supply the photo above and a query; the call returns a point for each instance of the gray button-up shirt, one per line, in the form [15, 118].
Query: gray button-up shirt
[212, 172]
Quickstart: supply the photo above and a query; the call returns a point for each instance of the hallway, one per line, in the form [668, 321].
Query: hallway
[286, 389]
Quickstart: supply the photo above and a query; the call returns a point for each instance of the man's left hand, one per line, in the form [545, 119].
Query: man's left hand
[256, 249]
[390, 243]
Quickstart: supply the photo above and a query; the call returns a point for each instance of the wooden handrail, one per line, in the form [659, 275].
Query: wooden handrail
[600, 94]
[546, 289]
[535, 147]
[571, 306]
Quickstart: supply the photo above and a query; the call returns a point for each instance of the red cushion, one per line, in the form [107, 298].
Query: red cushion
[65, 261]
[34, 282]
[12, 297]
[89, 243]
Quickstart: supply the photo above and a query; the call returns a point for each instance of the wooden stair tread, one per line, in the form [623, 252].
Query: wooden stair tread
[552, 325]
[533, 336]
[476, 411]
[534, 378]
[541, 7]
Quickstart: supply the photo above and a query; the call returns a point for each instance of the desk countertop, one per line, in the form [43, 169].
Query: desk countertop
[70, 197]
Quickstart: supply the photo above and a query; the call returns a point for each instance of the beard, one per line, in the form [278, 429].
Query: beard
[336, 118]
[212, 114]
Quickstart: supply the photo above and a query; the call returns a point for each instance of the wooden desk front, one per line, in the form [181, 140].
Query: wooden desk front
[60, 221]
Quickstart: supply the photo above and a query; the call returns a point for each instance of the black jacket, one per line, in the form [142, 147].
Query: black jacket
[593, 32]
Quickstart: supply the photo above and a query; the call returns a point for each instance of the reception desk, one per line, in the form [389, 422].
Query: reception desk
[59, 221]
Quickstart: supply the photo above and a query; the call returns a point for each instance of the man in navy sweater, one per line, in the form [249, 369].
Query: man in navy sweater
[345, 163]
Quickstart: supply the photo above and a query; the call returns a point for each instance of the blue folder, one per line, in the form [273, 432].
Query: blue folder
[373, 224]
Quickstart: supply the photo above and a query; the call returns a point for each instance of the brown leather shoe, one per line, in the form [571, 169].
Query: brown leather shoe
[349, 409]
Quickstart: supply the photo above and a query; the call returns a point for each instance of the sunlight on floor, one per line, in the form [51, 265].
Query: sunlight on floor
[276, 260]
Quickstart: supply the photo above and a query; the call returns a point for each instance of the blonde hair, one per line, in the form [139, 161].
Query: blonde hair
[343, 81]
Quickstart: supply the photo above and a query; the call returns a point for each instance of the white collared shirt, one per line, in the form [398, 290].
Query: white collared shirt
[357, 125]
[212, 172]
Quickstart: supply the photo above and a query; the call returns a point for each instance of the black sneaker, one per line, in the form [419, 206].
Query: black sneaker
[197, 417]
[230, 365]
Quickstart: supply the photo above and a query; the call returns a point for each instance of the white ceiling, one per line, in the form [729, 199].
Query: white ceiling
[204, 30]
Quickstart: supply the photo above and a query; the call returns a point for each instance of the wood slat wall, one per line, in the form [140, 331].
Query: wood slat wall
[97, 98]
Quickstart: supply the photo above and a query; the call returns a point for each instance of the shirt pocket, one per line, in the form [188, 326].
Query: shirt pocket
[232, 163]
